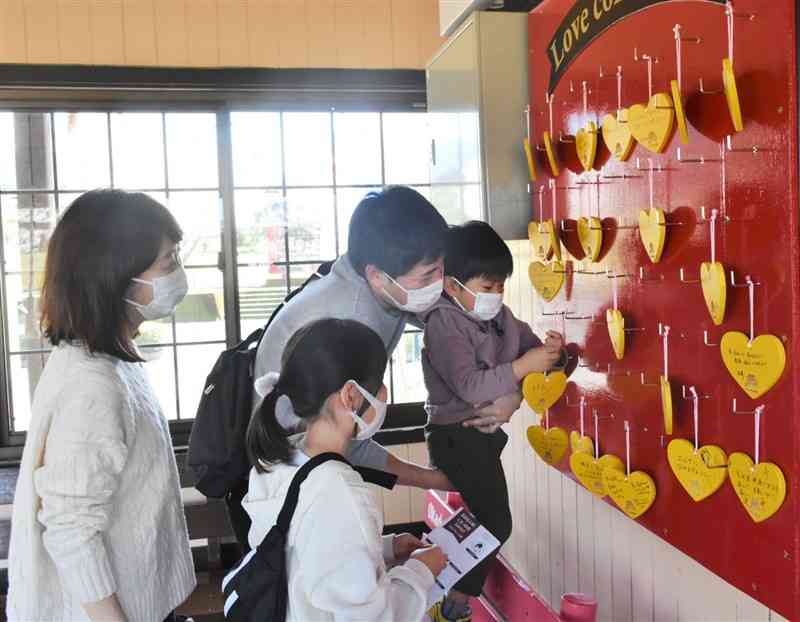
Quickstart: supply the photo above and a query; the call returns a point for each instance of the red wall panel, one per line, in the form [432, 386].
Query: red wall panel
[759, 196]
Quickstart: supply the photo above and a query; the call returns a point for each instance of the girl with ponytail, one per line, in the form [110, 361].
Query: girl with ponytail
[332, 380]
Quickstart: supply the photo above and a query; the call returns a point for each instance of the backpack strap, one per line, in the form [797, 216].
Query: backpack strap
[290, 503]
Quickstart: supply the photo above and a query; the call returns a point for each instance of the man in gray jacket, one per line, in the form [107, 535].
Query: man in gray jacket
[393, 270]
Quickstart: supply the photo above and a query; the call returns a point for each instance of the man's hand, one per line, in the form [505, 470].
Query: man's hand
[404, 544]
[491, 417]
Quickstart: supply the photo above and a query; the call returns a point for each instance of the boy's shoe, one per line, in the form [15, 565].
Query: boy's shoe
[435, 614]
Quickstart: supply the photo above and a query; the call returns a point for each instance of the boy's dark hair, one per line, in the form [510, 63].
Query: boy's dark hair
[103, 240]
[394, 230]
[317, 361]
[475, 249]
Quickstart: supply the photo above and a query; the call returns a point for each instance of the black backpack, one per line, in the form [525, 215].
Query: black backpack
[256, 590]
[217, 454]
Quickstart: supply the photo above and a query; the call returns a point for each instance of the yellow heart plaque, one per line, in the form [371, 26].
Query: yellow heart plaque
[551, 154]
[633, 494]
[526, 145]
[546, 279]
[551, 445]
[680, 113]
[653, 232]
[541, 390]
[760, 487]
[581, 444]
[617, 135]
[616, 331]
[589, 471]
[715, 289]
[666, 404]
[590, 235]
[757, 366]
[700, 472]
[586, 145]
[544, 239]
[732, 94]
[652, 125]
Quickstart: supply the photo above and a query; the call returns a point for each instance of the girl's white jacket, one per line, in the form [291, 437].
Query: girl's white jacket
[336, 561]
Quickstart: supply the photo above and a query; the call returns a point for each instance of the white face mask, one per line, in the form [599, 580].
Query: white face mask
[486, 307]
[417, 300]
[168, 291]
[368, 430]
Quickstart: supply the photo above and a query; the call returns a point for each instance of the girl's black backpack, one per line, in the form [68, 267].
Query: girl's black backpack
[256, 590]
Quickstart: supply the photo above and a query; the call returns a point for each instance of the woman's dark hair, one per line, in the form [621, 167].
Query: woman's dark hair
[103, 240]
[318, 360]
[475, 249]
[394, 230]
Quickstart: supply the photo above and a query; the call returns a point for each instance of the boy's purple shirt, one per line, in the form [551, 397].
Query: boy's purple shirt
[467, 362]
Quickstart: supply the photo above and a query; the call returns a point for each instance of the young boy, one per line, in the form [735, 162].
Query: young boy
[475, 356]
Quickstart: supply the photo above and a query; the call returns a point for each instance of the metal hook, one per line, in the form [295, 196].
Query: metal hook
[623, 176]
[736, 411]
[639, 167]
[578, 317]
[562, 139]
[729, 147]
[698, 160]
[706, 342]
[648, 384]
[685, 280]
[610, 372]
[564, 227]
[644, 58]
[644, 279]
[747, 281]
[704, 217]
[705, 92]
[686, 396]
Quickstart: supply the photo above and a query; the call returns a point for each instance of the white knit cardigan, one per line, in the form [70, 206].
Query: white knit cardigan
[97, 509]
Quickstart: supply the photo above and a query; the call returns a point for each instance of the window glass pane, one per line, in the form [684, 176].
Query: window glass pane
[260, 226]
[155, 332]
[358, 148]
[82, 150]
[28, 221]
[160, 367]
[261, 290]
[138, 150]
[312, 225]
[201, 315]
[26, 151]
[457, 203]
[407, 148]
[24, 372]
[409, 385]
[192, 150]
[257, 159]
[198, 214]
[347, 199]
[307, 145]
[194, 363]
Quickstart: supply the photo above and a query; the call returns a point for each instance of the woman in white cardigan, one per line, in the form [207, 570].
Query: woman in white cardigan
[98, 530]
[336, 557]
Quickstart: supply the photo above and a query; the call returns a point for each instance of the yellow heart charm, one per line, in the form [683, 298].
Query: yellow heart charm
[586, 145]
[581, 444]
[541, 390]
[551, 154]
[633, 494]
[755, 367]
[700, 472]
[551, 445]
[526, 145]
[590, 235]
[715, 289]
[652, 125]
[546, 279]
[680, 113]
[653, 232]
[617, 135]
[589, 471]
[544, 239]
[666, 404]
[616, 331]
[732, 94]
[760, 487]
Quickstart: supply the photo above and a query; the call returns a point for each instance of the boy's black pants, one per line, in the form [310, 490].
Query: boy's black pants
[471, 460]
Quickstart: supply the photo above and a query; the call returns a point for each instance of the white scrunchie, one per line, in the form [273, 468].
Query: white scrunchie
[284, 412]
